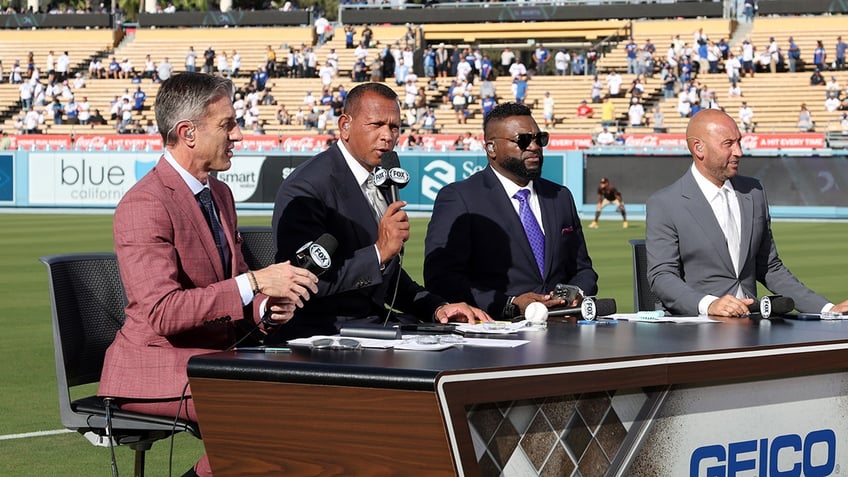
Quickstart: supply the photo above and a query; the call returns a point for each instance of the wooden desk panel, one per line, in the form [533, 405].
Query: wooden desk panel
[348, 430]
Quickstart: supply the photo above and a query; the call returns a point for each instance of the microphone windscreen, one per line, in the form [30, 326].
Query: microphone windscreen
[318, 257]
[781, 305]
[389, 160]
[329, 243]
[605, 306]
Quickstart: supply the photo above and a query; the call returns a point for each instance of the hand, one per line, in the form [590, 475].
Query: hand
[840, 307]
[525, 299]
[729, 305]
[284, 280]
[461, 313]
[279, 310]
[393, 231]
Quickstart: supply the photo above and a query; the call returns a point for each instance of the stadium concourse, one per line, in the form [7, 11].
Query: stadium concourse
[775, 98]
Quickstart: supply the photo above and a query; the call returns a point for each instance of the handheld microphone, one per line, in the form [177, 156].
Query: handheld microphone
[589, 309]
[772, 305]
[316, 256]
[392, 175]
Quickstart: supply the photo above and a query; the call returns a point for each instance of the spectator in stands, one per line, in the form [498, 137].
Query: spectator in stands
[597, 90]
[548, 104]
[127, 69]
[260, 78]
[631, 50]
[735, 91]
[84, 108]
[208, 61]
[748, 58]
[774, 55]
[669, 85]
[191, 60]
[63, 63]
[816, 79]
[31, 121]
[841, 46]
[126, 113]
[793, 54]
[844, 123]
[235, 64]
[591, 60]
[165, 69]
[637, 89]
[95, 68]
[684, 106]
[517, 69]
[507, 59]
[114, 69]
[367, 36]
[360, 71]
[562, 62]
[614, 84]
[322, 28]
[79, 81]
[746, 118]
[310, 62]
[222, 64]
[428, 121]
[487, 104]
[376, 69]
[658, 120]
[584, 111]
[832, 86]
[832, 103]
[350, 34]
[541, 58]
[58, 111]
[26, 93]
[749, 9]
[283, 115]
[138, 99]
[608, 112]
[520, 89]
[713, 57]
[805, 120]
[605, 137]
[97, 119]
[820, 56]
[72, 112]
[636, 113]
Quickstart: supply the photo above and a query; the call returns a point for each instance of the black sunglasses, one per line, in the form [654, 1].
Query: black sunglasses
[523, 140]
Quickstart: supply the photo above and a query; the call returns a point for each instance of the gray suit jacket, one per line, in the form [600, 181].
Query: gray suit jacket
[687, 251]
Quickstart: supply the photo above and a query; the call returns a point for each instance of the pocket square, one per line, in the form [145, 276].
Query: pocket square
[567, 230]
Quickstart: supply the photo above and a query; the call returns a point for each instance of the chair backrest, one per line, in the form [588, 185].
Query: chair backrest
[257, 246]
[643, 298]
[88, 300]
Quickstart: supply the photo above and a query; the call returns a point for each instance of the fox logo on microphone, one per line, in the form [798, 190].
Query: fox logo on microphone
[587, 309]
[319, 255]
[398, 176]
[381, 175]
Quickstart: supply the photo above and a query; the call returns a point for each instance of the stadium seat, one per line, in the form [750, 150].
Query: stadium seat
[88, 300]
[643, 298]
[257, 246]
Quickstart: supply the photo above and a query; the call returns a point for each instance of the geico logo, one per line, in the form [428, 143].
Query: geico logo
[398, 175]
[785, 456]
[319, 255]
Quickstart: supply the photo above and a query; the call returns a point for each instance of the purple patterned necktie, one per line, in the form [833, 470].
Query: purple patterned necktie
[531, 228]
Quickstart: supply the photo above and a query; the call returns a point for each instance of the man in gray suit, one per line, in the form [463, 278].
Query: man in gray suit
[690, 266]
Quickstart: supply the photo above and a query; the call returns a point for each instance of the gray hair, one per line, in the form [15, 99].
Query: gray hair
[185, 97]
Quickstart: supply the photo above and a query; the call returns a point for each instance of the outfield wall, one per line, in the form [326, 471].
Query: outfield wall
[800, 185]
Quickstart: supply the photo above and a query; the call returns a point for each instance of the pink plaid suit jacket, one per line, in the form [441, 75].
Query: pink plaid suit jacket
[179, 302]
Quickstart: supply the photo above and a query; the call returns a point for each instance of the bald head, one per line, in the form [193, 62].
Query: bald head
[714, 141]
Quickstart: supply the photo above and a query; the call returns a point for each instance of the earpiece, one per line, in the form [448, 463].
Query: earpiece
[347, 127]
[190, 133]
[490, 147]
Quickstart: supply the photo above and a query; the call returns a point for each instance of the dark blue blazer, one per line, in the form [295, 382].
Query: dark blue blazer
[476, 249]
[322, 196]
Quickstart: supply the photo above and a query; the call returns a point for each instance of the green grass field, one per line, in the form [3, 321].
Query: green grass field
[814, 251]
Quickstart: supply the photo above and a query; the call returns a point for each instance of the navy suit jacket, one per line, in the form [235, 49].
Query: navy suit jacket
[687, 251]
[322, 196]
[477, 251]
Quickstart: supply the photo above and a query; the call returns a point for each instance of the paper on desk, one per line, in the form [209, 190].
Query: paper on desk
[665, 319]
[493, 328]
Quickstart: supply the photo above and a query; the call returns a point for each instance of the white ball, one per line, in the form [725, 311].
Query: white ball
[536, 313]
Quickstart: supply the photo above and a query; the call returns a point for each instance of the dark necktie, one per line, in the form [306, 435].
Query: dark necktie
[204, 197]
[531, 228]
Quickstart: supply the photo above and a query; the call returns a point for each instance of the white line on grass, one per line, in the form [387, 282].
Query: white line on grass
[34, 434]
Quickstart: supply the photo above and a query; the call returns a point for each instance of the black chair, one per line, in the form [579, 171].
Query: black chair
[643, 298]
[257, 246]
[88, 299]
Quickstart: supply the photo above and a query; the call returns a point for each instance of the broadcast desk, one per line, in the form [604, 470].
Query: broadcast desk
[642, 399]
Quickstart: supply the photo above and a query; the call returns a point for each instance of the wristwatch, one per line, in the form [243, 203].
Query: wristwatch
[510, 310]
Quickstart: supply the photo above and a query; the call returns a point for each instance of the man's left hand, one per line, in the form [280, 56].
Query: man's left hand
[462, 313]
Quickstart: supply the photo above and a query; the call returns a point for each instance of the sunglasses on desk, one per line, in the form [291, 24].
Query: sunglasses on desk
[336, 343]
[523, 140]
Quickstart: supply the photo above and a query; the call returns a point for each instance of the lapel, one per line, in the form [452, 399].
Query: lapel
[703, 217]
[350, 201]
[746, 216]
[511, 222]
[184, 201]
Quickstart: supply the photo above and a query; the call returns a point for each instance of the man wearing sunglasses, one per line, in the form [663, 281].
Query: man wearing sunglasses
[505, 237]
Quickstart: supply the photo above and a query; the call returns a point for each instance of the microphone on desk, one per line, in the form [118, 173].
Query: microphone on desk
[772, 305]
[316, 256]
[589, 309]
[390, 175]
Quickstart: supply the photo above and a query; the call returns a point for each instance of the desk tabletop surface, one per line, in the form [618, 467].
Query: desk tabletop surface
[561, 344]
